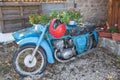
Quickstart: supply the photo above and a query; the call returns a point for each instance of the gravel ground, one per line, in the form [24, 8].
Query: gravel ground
[96, 64]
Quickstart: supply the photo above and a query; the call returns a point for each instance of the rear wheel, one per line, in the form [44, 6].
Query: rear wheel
[23, 64]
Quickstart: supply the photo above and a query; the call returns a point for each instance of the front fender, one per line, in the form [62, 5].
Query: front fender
[44, 45]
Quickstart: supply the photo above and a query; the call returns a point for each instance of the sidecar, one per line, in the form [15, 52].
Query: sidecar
[72, 31]
[33, 32]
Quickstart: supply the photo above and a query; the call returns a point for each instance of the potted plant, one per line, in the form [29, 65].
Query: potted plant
[115, 34]
[119, 4]
[70, 17]
[113, 29]
[105, 34]
[38, 21]
[64, 17]
[104, 31]
[75, 16]
[53, 14]
[34, 18]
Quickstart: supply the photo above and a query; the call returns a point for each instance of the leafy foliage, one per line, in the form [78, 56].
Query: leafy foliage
[44, 19]
[118, 58]
[53, 14]
[39, 19]
[75, 15]
[119, 4]
[113, 29]
[64, 17]
[34, 18]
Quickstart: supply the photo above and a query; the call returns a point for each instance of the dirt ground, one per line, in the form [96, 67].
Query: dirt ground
[96, 64]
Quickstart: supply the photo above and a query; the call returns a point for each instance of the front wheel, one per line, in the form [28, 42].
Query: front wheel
[22, 61]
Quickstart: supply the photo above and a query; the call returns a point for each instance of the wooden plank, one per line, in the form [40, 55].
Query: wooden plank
[116, 13]
[1, 12]
[109, 12]
[12, 30]
[12, 26]
[31, 8]
[40, 9]
[11, 13]
[110, 5]
[13, 21]
[21, 11]
[34, 0]
[2, 22]
[12, 18]
[10, 8]
[30, 12]
[20, 4]
[113, 12]
[119, 19]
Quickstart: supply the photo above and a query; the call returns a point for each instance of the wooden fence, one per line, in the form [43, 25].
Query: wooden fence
[114, 13]
[14, 16]
[14, 13]
[32, 0]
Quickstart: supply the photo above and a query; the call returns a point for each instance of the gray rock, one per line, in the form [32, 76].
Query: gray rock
[112, 45]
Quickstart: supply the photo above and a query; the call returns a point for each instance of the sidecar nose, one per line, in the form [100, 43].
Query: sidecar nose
[24, 33]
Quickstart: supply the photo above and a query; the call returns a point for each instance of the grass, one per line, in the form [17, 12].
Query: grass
[118, 58]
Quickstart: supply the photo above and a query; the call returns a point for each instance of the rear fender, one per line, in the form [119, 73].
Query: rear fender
[44, 45]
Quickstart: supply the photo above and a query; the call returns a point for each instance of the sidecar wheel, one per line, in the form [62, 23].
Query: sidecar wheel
[94, 42]
[23, 65]
[89, 43]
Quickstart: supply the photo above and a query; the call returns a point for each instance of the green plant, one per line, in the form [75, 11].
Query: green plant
[44, 19]
[34, 18]
[75, 15]
[118, 4]
[53, 14]
[64, 17]
[113, 29]
[118, 58]
[39, 19]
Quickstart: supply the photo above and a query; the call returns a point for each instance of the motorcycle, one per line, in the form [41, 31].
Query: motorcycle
[39, 45]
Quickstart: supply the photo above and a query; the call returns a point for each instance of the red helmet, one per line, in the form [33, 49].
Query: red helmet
[57, 29]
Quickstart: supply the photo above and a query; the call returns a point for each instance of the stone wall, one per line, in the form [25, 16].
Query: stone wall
[93, 10]
[47, 7]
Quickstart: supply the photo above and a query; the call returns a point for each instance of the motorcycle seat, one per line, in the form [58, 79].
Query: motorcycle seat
[82, 30]
[90, 27]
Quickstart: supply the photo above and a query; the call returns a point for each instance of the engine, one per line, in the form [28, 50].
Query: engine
[64, 49]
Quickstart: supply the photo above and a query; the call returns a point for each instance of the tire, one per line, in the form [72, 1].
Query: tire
[36, 66]
[94, 42]
[89, 43]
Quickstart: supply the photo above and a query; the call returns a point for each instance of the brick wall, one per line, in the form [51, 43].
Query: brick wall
[93, 10]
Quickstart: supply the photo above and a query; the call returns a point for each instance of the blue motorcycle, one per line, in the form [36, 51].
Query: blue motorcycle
[39, 45]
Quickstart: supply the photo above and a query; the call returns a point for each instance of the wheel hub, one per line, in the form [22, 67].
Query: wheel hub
[30, 61]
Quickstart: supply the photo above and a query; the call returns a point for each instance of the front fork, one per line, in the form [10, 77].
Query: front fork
[38, 43]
